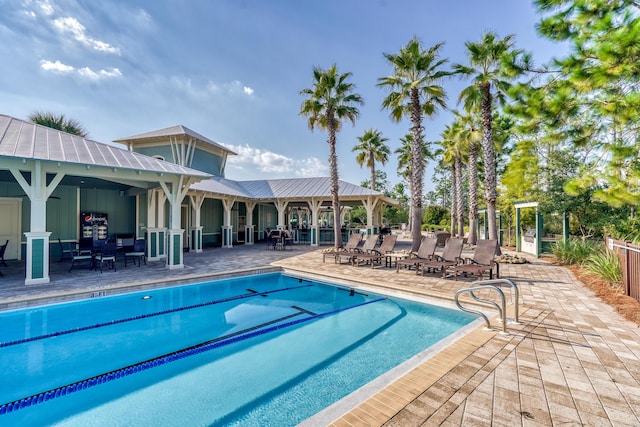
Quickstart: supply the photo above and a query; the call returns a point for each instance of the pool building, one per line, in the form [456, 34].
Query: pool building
[166, 186]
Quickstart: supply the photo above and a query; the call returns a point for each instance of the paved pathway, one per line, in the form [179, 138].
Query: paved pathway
[572, 361]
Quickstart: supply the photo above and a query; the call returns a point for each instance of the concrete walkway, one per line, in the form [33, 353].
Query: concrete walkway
[571, 361]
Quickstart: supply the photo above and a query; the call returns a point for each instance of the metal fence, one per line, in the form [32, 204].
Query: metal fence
[630, 261]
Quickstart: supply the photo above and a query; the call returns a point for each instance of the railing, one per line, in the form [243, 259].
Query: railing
[630, 262]
[492, 284]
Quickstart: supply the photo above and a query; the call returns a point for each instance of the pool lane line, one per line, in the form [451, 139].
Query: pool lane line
[251, 293]
[167, 358]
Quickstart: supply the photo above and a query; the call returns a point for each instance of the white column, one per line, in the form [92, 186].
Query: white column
[281, 205]
[314, 226]
[196, 201]
[227, 228]
[249, 227]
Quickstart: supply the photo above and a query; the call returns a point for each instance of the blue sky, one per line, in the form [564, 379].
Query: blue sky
[232, 70]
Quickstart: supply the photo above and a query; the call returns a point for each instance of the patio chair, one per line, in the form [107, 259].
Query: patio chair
[273, 239]
[138, 253]
[287, 239]
[377, 255]
[66, 249]
[107, 256]
[483, 260]
[366, 248]
[80, 255]
[352, 243]
[3, 249]
[425, 253]
[450, 257]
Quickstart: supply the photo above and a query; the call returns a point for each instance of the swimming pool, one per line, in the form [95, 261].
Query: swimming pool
[270, 349]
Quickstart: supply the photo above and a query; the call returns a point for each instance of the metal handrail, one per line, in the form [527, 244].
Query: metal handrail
[502, 309]
[511, 283]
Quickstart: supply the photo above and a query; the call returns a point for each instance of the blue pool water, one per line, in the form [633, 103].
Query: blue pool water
[269, 349]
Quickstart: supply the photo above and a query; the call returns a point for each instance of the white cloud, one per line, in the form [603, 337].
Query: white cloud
[73, 26]
[234, 88]
[93, 75]
[46, 7]
[57, 66]
[32, 6]
[85, 72]
[277, 165]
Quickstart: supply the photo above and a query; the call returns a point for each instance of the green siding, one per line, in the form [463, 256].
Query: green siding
[164, 151]
[120, 209]
[37, 259]
[207, 162]
[62, 215]
[202, 160]
[142, 208]
[176, 249]
[154, 240]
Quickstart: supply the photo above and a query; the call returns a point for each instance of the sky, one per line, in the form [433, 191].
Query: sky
[232, 70]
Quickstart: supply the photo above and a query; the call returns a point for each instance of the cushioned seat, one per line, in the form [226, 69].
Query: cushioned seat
[138, 253]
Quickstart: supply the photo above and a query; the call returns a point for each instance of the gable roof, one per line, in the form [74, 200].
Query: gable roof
[292, 188]
[26, 140]
[177, 130]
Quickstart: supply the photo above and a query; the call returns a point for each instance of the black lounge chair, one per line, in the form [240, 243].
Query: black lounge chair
[348, 248]
[425, 253]
[450, 257]
[483, 260]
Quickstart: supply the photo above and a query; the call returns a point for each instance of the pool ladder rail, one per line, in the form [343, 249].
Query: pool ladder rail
[493, 284]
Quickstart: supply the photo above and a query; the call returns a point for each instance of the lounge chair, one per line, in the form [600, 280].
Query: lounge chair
[377, 255]
[425, 253]
[450, 257]
[442, 237]
[366, 248]
[483, 260]
[352, 243]
[138, 253]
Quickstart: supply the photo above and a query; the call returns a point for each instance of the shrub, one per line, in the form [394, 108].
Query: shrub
[574, 251]
[607, 265]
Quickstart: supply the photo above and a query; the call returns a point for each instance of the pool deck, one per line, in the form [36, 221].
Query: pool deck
[572, 361]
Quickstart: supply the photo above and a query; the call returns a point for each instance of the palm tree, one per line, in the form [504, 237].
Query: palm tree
[372, 148]
[492, 64]
[415, 92]
[59, 122]
[453, 153]
[331, 100]
[470, 136]
[404, 163]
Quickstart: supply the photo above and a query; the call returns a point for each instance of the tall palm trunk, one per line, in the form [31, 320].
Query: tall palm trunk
[333, 170]
[489, 157]
[373, 172]
[472, 172]
[454, 199]
[459, 203]
[417, 169]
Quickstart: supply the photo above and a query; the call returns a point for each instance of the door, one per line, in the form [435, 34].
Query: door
[11, 225]
[185, 224]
